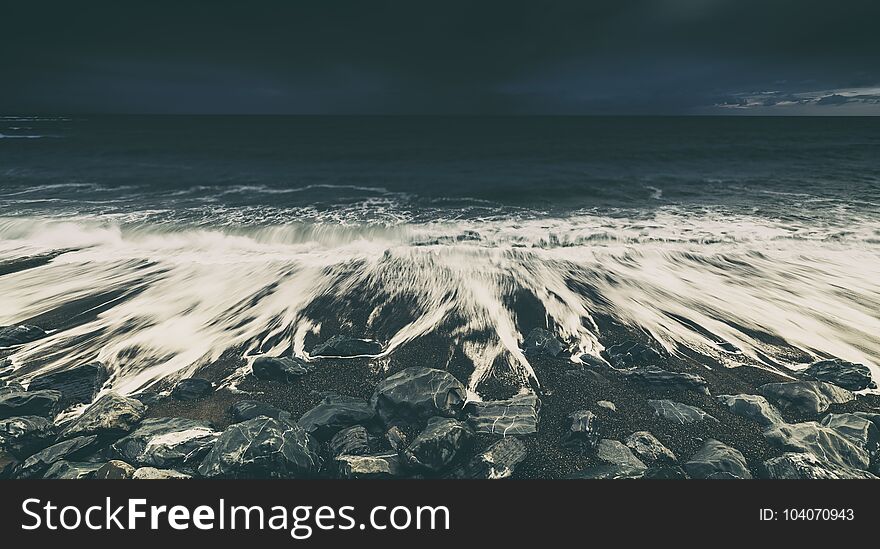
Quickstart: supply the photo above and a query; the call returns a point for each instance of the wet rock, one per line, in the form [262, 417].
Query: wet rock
[31, 403]
[166, 442]
[115, 469]
[542, 342]
[513, 416]
[435, 448]
[152, 473]
[583, 431]
[39, 463]
[824, 442]
[344, 346]
[244, 410]
[616, 453]
[798, 465]
[280, 368]
[590, 361]
[193, 388]
[648, 449]
[335, 412]
[23, 436]
[111, 415]
[607, 405]
[377, 466]
[805, 397]
[262, 448]
[353, 441]
[19, 335]
[859, 430]
[609, 471]
[396, 438]
[754, 407]
[418, 393]
[652, 375]
[717, 460]
[631, 353]
[71, 470]
[78, 385]
[12, 387]
[848, 375]
[678, 412]
[870, 416]
[497, 462]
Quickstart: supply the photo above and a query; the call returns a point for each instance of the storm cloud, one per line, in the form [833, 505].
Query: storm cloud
[396, 57]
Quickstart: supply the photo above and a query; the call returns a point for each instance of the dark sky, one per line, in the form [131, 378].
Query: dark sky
[443, 57]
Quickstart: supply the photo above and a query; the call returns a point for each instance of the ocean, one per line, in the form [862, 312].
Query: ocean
[749, 241]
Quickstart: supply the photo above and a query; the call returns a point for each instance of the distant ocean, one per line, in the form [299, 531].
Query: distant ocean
[751, 240]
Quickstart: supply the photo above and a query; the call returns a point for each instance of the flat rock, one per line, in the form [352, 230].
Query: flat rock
[280, 368]
[754, 407]
[860, 430]
[114, 470]
[31, 403]
[166, 442]
[152, 473]
[498, 461]
[717, 460]
[609, 471]
[26, 435]
[630, 353]
[20, 334]
[606, 405]
[677, 412]
[648, 449]
[583, 430]
[849, 375]
[542, 342]
[344, 346]
[435, 448]
[71, 470]
[418, 393]
[513, 416]
[112, 415]
[244, 410]
[39, 463]
[653, 375]
[78, 385]
[262, 448]
[336, 412]
[824, 442]
[192, 388]
[353, 441]
[799, 465]
[806, 397]
[617, 453]
[374, 466]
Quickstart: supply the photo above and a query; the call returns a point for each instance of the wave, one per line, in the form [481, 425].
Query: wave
[170, 298]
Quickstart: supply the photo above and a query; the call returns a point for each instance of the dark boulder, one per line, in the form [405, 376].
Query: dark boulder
[7, 464]
[513, 416]
[848, 375]
[418, 393]
[262, 448]
[374, 466]
[677, 412]
[281, 368]
[717, 460]
[754, 407]
[344, 346]
[665, 472]
[334, 413]
[19, 335]
[631, 353]
[799, 465]
[649, 450]
[353, 441]
[193, 388]
[166, 442]
[542, 342]
[435, 448]
[805, 397]
[496, 462]
[583, 431]
[824, 442]
[397, 439]
[115, 470]
[78, 385]
[71, 470]
[112, 415]
[244, 410]
[26, 435]
[652, 375]
[39, 463]
[31, 403]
